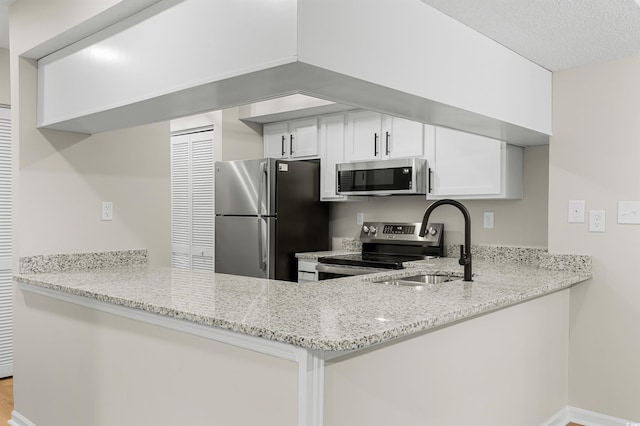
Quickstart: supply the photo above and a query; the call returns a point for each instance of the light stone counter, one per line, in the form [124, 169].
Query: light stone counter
[334, 315]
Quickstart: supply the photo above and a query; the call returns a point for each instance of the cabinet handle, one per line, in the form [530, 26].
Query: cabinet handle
[375, 144]
[387, 142]
[283, 137]
[291, 144]
[429, 189]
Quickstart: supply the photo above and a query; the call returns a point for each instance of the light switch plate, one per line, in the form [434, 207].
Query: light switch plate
[596, 220]
[629, 212]
[576, 211]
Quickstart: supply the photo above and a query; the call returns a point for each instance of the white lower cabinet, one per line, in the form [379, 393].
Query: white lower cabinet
[307, 270]
[467, 166]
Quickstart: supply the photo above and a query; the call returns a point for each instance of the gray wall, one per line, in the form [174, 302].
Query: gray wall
[594, 156]
[517, 222]
[240, 140]
[61, 178]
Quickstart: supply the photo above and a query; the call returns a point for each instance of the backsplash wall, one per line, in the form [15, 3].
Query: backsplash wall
[517, 222]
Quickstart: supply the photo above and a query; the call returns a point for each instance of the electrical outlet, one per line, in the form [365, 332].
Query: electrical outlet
[107, 210]
[359, 218]
[488, 220]
[596, 220]
[576, 211]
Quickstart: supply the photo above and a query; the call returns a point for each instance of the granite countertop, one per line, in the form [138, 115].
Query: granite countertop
[339, 314]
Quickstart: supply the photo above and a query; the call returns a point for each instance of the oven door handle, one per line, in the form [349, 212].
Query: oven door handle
[345, 270]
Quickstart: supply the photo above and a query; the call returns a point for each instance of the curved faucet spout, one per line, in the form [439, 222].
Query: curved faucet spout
[465, 256]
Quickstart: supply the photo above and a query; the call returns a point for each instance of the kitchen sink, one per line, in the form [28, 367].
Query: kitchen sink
[418, 280]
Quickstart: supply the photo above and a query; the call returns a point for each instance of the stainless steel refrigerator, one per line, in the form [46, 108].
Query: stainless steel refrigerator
[266, 211]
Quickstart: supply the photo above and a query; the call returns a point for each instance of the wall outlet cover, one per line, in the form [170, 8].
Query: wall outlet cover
[596, 220]
[106, 210]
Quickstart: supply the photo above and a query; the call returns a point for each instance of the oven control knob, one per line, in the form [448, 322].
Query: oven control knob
[373, 230]
[365, 229]
[432, 230]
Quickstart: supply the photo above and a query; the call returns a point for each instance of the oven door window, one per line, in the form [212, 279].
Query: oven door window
[330, 275]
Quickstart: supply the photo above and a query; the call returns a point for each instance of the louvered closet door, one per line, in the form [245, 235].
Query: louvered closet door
[6, 323]
[192, 210]
[202, 213]
[180, 203]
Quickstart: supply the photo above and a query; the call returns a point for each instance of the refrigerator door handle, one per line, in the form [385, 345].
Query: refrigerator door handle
[262, 261]
[262, 189]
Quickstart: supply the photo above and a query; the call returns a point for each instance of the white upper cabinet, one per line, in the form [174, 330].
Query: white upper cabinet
[274, 137]
[460, 165]
[468, 166]
[402, 138]
[374, 136]
[331, 131]
[293, 139]
[363, 135]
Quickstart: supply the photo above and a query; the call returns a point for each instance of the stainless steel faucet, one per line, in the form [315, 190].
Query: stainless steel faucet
[465, 255]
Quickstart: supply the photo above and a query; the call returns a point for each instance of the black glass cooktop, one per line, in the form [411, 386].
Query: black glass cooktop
[370, 260]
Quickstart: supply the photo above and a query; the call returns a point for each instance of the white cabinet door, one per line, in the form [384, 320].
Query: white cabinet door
[303, 138]
[374, 136]
[402, 138]
[331, 132]
[467, 166]
[291, 140]
[276, 140]
[364, 130]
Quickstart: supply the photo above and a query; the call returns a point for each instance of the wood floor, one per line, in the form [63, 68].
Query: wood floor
[6, 400]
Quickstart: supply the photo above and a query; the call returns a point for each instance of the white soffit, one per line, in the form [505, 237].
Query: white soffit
[555, 34]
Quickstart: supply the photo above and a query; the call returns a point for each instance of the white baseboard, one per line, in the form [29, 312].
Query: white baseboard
[19, 420]
[585, 417]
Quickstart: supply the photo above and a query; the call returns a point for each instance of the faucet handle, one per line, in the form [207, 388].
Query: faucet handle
[464, 258]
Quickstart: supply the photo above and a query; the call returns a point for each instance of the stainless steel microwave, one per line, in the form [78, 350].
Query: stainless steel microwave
[382, 177]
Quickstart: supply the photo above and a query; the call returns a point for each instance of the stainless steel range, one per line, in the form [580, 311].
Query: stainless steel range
[385, 246]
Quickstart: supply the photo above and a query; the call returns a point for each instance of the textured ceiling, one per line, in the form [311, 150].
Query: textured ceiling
[556, 34]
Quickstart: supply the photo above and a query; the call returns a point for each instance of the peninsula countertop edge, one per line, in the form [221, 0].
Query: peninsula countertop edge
[334, 315]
